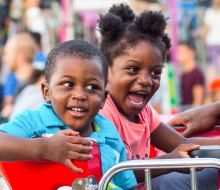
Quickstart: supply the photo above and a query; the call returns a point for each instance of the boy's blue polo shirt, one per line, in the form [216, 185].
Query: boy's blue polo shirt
[35, 123]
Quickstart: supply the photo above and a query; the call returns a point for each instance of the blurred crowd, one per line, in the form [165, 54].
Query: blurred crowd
[30, 28]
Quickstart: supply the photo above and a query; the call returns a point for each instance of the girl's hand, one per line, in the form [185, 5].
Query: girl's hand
[182, 152]
[65, 146]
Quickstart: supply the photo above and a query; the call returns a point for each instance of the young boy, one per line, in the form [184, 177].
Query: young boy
[192, 88]
[76, 76]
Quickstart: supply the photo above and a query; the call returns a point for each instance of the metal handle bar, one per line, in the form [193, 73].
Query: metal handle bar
[191, 163]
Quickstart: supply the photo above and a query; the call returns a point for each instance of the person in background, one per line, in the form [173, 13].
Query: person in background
[40, 57]
[215, 90]
[19, 53]
[47, 21]
[33, 12]
[32, 91]
[209, 34]
[1, 86]
[31, 96]
[198, 120]
[211, 30]
[136, 47]
[192, 80]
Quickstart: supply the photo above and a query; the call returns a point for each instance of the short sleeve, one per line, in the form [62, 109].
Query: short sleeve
[20, 126]
[150, 115]
[199, 78]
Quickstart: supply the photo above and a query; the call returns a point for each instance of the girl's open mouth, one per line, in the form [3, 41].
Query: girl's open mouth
[137, 98]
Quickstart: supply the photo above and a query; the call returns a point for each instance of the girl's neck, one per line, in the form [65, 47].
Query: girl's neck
[133, 119]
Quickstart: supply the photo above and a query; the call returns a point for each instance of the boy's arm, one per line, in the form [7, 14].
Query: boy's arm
[58, 148]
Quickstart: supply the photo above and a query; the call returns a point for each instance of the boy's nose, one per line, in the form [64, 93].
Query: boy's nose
[78, 93]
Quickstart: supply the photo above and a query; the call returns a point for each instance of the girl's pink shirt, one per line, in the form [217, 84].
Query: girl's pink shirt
[136, 136]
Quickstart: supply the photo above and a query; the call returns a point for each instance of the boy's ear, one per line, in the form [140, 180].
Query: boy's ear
[45, 91]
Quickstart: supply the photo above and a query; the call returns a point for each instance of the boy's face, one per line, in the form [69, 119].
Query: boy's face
[76, 91]
[134, 78]
[184, 54]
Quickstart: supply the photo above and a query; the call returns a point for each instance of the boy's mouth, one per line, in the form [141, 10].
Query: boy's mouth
[137, 98]
[77, 111]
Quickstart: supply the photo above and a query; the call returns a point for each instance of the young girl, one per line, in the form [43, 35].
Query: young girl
[76, 75]
[136, 48]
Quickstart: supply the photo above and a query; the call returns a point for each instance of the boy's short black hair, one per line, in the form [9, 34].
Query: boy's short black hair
[120, 29]
[77, 48]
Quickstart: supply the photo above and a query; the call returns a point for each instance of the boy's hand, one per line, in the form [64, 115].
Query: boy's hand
[68, 132]
[65, 147]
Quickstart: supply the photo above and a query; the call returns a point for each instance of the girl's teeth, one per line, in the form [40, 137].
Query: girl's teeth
[135, 103]
[140, 92]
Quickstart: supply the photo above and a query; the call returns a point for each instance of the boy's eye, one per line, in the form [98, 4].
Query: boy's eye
[92, 87]
[68, 84]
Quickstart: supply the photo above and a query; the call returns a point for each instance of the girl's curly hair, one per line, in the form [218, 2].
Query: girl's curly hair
[120, 28]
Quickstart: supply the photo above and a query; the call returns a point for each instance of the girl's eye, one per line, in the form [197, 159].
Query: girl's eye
[133, 69]
[68, 84]
[156, 73]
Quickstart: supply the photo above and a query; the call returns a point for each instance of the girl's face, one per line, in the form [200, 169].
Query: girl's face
[77, 92]
[134, 78]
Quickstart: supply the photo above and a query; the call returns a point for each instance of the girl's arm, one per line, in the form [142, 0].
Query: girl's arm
[167, 139]
[175, 145]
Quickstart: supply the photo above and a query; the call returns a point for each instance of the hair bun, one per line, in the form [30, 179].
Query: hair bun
[151, 22]
[109, 25]
[123, 11]
[167, 41]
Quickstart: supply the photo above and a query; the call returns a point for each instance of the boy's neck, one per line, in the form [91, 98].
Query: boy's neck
[189, 66]
[87, 131]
